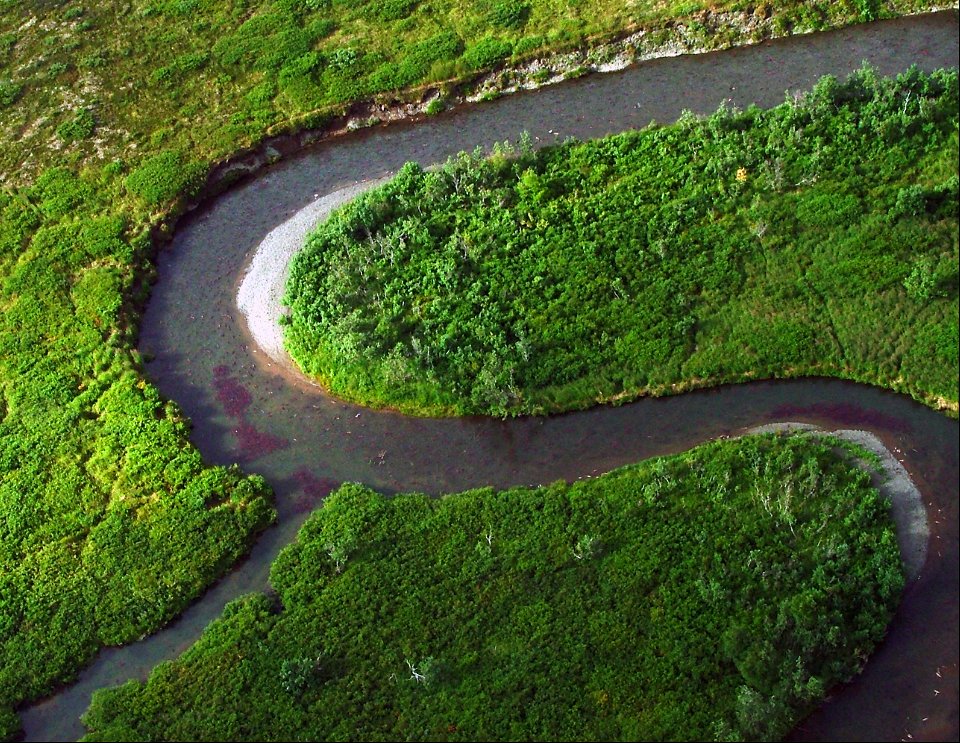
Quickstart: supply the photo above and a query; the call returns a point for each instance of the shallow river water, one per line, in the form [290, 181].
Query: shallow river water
[249, 410]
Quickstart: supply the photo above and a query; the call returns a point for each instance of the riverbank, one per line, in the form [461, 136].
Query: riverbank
[539, 290]
[264, 281]
[893, 482]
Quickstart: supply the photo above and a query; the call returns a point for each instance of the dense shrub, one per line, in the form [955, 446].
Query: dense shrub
[648, 261]
[487, 52]
[79, 126]
[9, 92]
[717, 593]
[509, 14]
[389, 10]
[163, 177]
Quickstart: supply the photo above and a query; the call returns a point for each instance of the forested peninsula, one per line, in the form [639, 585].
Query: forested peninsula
[712, 595]
[817, 238]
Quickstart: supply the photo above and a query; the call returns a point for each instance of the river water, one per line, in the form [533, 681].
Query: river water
[247, 409]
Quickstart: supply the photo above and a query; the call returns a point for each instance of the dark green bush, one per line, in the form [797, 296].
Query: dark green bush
[509, 14]
[60, 193]
[300, 67]
[487, 52]
[164, 177]
[528, 44]
[9, 92]
[445, 45]
[266, 41]
[79, 126]
[389, 10]
[320, 28]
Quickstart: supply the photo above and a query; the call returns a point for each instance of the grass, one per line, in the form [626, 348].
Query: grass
[235, 70]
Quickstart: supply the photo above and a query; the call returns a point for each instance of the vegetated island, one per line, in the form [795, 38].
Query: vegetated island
[714, 594]
[815, 238]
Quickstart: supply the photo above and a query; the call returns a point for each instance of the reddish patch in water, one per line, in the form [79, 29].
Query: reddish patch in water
[254, 443]
[235, 399]
[233, 396]
[314, 489]
[842, 413]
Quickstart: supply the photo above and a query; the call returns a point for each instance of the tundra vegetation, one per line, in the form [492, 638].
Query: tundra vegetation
[112, 113]
[816, 238]
[716, 594]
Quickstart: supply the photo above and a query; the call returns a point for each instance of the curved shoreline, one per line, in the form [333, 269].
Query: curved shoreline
[906, 502]
[261, 290]
[259, 300]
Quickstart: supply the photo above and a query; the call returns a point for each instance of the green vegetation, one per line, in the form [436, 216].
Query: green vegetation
[116, 111]
[211, 77]
[163, 177]
[715, 594]
[110, 522]
[819, 237]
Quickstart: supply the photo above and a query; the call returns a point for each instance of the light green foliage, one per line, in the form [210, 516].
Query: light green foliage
[144, 65]
[815, 238]
[727, 588]
[109, 522]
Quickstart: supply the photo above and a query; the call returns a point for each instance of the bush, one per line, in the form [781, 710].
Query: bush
[300, 67]
[528, 44]
[164, 177]
[80, 126]
[341, 59]
[487, 52]
[911, 201]
[510, 14]
[9, 92]
[436, 106]
[389, 10]
[59, 192]
[266, 41]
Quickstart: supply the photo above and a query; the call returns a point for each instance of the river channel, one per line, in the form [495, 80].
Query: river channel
[247, 409]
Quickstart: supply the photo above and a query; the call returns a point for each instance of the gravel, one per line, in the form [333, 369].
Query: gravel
[262, 287]
[907, 510]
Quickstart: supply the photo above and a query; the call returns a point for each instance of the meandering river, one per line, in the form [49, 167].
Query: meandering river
[247, 409]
